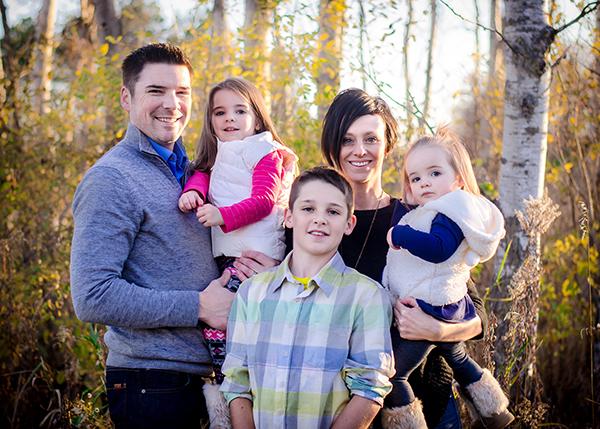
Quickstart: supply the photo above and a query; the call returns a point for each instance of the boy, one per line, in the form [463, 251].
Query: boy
[308, 342]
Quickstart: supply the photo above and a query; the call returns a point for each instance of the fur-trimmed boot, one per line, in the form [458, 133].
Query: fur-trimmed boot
[405, 417]
[489, 404]
[218, 411]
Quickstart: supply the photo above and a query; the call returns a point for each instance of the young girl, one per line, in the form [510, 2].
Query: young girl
[432, 250]
[241, 184]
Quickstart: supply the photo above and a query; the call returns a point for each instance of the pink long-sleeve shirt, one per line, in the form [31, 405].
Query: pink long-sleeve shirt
[266, 185]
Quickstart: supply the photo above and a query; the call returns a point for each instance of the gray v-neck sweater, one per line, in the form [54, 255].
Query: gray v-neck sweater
[138, 263]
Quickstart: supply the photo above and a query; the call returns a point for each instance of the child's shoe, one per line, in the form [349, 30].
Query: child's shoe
[405, 417]
[488, 403]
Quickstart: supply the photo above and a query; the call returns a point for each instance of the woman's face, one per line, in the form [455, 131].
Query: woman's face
[363, 150]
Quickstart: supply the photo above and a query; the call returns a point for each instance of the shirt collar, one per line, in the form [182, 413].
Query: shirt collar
[325, 279]
[165, 153]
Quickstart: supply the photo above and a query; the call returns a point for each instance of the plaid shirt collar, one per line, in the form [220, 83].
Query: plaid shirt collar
[333, 269]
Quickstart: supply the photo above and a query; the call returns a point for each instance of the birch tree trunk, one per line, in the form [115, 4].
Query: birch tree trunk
[43, 60]
[432, 31]
[221, 37]
[329, 57]
[257, 64]
[106, 19]
[523, 161]
[408, 102]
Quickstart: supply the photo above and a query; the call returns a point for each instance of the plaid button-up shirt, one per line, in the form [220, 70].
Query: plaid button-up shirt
[300, 354]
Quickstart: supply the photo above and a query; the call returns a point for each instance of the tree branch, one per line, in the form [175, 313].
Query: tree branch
[493, 30]
[587, 9]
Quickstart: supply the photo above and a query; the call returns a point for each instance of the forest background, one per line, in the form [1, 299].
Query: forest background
[528, 110]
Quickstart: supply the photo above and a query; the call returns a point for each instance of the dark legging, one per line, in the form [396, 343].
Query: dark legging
[409, 355]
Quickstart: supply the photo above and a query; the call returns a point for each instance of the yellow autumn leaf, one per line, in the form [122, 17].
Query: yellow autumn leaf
[104, 49]
[568, 167]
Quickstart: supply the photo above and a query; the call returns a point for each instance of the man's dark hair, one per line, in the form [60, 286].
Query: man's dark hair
[154, 53]
[326, 175]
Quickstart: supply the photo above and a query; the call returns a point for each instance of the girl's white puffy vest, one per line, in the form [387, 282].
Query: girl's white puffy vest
[438, 284]
[231, 182]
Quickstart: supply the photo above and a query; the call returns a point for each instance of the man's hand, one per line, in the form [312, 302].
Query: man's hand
[209, 215]
[252, 262]
[215, 302]
[189, 201]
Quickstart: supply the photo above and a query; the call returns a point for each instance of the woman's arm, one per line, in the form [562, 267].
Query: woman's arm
[414, 324]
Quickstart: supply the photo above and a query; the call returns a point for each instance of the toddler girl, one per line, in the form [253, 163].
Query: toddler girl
[432, 250]
[241, 184]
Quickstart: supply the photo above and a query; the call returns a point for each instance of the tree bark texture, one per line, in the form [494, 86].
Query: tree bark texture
[523, 160]
[408, 102]
[106, 19]
[43, 60]
[257, 25]
[432, 32]
[221, 38]
[329, 57]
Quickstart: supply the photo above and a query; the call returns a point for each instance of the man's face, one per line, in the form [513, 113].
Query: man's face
[160, 104]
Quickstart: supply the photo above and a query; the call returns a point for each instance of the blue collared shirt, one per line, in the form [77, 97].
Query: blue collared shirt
[176, 159]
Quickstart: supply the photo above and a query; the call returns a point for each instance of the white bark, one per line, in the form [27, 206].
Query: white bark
[523, 161]
[43, 56]
[525, 106]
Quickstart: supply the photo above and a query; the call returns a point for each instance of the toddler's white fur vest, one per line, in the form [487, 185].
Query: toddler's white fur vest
[231, 182]
[438, 284]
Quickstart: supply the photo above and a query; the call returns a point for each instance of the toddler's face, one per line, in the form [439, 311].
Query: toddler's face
[232, 116]
[430, 174]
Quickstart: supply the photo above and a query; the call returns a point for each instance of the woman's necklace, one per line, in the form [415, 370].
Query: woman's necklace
[362, 249]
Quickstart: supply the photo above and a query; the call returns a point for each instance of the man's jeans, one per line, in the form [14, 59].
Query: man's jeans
[151, 398]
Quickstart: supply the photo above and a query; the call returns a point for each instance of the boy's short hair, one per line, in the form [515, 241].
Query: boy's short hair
[326, 175]
[154, 53]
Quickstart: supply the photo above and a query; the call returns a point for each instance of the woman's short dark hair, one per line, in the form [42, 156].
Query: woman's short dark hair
[347, 107]
[154, 53]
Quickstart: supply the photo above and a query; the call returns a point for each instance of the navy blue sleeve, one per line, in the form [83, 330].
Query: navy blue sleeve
[436, 246]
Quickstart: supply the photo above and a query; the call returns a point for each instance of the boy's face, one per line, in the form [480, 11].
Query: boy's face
[319, 218]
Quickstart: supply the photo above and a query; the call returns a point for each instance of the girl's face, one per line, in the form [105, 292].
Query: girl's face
[232, 116]
[430, 174]
[363, 150]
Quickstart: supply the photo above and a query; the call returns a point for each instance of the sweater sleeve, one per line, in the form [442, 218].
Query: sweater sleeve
[479, 307]
[198, 182]
[266, 184]
[435, 246]
[107, 220]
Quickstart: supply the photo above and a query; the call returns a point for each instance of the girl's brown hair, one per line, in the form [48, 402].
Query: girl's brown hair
[206, 149]
[458, 157]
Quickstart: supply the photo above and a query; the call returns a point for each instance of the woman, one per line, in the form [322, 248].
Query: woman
[359, 131]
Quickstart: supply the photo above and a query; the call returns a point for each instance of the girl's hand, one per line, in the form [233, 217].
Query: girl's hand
[209, 215]
[413, 323]
[252, 262]
[389, 239]
[189, 201]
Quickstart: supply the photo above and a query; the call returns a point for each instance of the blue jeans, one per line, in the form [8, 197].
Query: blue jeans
[451, 417]
[155, 399]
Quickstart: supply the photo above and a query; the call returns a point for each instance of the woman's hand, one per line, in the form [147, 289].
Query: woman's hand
[252, 262]
[414, 324]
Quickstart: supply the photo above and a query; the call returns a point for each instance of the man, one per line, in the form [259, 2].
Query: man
[140, 265]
